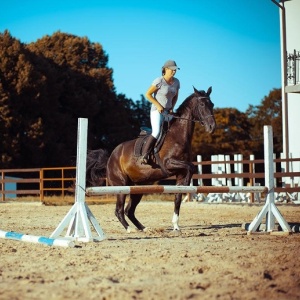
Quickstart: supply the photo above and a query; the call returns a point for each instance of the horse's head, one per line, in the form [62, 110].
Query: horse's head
[203, 109]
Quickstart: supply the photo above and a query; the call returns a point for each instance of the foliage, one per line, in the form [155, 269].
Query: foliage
[231, 135]
[241, 133]
[45, 87]
[269, 112]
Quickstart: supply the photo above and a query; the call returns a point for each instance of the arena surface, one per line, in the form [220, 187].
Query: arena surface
[212, 258]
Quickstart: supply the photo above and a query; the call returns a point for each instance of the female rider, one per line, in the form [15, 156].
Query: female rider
[163, 94]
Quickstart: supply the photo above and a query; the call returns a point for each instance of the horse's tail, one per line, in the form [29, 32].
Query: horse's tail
[96, 166]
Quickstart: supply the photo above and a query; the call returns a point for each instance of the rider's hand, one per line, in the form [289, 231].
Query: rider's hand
[160, 108]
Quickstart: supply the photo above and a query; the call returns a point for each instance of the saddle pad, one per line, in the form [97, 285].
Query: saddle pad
[138, 146]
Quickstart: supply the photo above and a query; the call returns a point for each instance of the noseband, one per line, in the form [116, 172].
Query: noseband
[200, 110]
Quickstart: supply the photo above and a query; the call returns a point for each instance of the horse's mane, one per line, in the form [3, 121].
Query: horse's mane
[184, 104]
[187, 103]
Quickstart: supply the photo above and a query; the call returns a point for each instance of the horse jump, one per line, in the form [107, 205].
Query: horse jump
[78, 218]
[79, 215]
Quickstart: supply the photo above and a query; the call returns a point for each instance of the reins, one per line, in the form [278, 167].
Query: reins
[191, 120]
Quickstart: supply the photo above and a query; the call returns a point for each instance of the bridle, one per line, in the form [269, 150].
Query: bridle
[200, 112]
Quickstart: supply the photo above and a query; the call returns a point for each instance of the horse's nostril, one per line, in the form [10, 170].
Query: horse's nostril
[211, 128]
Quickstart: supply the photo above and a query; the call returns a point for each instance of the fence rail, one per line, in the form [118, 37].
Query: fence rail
[37, 181]
[61, 180]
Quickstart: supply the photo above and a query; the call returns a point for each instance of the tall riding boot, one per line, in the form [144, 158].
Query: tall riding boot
[147, 149]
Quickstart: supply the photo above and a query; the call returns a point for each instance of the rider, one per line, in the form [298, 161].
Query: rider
[163, 94]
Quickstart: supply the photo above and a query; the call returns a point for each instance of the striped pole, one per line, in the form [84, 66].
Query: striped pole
[149, 189]
[11, 235]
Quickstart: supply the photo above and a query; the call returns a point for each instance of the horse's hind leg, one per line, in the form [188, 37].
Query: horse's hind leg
[119, 212]
[130, 210]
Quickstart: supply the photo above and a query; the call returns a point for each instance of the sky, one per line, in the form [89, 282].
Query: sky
[232, 45]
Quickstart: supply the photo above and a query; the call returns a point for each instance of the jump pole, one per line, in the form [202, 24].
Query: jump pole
[169, 189]
[11, 235]
[270, 211]
[80, 219]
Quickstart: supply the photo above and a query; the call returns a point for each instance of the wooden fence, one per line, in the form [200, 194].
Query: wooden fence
[227, 172]
[38, 181]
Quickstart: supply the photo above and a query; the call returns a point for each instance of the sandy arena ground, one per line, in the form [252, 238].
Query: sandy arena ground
[213, 258]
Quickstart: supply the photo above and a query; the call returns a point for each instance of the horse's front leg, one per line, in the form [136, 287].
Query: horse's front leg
[185, 169]
[175, 219]
[184, 176]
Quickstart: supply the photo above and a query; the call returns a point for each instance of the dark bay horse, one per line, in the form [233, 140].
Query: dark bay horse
[123, 167]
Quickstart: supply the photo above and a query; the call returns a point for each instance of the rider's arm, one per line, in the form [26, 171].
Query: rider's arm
[174, 100]
[149, 95]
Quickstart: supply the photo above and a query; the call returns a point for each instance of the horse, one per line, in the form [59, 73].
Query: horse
[123, 167]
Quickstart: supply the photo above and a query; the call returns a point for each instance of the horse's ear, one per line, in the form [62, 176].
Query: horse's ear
[195, 91]
[209, 91]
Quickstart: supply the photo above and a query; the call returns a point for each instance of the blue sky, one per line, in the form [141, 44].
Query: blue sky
[232, 45]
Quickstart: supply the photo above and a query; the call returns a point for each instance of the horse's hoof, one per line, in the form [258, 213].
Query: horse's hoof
[176, 232]
[130, 230]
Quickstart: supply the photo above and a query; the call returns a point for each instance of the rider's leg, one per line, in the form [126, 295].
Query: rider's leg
[156, 119]
[147, 149]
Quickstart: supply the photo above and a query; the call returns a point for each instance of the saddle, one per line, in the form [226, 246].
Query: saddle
[143, 136]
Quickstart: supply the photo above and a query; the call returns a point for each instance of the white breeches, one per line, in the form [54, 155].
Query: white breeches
[156, 119]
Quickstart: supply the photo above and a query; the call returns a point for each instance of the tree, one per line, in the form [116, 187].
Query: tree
[19, 80]
[269, 112]
[230, 137]
[241, 133]
[46, 86]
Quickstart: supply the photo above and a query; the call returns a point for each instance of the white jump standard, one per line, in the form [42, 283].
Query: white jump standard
[79, 219]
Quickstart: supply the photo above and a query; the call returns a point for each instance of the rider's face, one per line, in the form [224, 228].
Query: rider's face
[170, 71]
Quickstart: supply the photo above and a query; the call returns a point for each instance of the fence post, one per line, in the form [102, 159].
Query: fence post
[3, 186]
[41, 184]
